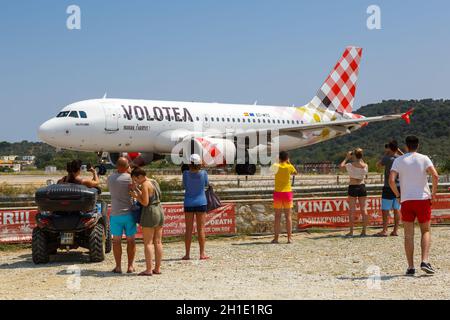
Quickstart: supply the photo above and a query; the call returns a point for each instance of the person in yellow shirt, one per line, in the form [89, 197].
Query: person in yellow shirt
[283, 195]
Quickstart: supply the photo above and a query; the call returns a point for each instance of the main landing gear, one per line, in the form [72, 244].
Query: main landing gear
[246, 169]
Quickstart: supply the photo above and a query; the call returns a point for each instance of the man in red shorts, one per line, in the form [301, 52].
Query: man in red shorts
[413, 169]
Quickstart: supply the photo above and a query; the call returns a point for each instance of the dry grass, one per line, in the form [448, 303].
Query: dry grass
[11, 191]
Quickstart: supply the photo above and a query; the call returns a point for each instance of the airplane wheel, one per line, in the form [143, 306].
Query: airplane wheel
[246, 169]
[251, 169]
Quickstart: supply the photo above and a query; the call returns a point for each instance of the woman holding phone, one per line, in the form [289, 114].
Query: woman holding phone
[148, 194]
[74, 175]
[357, 169]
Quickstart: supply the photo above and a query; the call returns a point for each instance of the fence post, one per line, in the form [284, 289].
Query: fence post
[337, 179]
[238, 182]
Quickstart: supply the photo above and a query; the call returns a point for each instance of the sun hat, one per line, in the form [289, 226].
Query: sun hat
[195, 159]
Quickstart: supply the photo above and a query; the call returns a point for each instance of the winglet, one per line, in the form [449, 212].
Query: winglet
[407, 114]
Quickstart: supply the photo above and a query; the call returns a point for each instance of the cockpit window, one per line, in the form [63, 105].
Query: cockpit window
[63, 114]
[73, 114]
[83, 114]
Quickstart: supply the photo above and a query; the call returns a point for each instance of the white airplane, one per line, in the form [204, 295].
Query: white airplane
[149, 130]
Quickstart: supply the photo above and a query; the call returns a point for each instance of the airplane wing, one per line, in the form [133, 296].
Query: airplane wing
[344, 126]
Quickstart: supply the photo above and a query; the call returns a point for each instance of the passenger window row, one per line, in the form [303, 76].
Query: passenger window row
[250, 120]
[82, 114]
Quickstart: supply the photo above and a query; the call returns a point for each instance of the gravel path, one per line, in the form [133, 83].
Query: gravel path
[316, 266]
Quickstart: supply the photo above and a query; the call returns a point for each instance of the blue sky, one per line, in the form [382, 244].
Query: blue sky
[275, 52]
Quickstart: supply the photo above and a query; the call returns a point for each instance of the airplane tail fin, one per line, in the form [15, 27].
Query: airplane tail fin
[337, 93]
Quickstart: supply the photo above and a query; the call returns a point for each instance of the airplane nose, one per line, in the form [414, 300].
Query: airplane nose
[46, 131]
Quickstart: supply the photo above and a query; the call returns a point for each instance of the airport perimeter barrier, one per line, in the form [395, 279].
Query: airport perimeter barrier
[232, 194]
[238, 217]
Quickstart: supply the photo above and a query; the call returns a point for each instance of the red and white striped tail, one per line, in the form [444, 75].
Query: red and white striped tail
[338, 91]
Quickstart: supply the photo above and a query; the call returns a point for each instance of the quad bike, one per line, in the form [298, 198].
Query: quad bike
[70, 216]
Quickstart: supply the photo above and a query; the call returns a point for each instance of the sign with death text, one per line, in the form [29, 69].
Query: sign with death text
[16, 225]
[333, 212]
[219, 221]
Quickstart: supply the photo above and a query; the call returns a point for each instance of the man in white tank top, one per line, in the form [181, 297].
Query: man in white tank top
[413, 169]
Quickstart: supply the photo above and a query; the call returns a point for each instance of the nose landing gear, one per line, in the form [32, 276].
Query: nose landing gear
[101, 169]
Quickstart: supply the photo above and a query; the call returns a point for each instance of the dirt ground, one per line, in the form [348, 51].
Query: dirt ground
[315, 266]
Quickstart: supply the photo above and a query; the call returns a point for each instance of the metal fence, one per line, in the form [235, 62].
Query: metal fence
[240, 193]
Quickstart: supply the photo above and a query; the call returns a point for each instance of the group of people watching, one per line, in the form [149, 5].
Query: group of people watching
[357, 170]
[136, 199]
[126, 186]
[405, 191]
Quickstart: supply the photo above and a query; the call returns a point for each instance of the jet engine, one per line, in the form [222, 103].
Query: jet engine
[137, 159]
[213, 151]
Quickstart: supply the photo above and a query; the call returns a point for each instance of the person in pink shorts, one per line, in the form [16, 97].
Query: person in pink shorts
[283, 195]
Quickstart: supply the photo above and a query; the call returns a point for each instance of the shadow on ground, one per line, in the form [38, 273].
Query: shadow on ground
[341, 236]
[251, 243]
[385, 278]
[61, 259]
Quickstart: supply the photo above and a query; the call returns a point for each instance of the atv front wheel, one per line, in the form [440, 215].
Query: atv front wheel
[39, 247]
[97, 240]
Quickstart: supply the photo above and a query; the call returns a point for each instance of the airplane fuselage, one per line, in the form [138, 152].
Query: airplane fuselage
[245, 133]
[124, 125]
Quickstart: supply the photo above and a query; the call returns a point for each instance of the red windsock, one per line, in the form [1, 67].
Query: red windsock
[406, 116]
